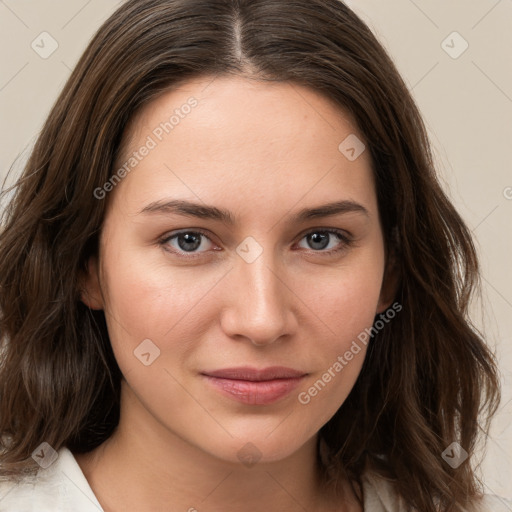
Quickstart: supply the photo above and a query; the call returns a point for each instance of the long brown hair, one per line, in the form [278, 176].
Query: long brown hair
[428, 378]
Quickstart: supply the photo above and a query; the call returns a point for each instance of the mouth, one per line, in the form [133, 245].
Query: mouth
[255, 386]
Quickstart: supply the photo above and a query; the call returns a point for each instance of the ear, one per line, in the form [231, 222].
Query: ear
[391, 277]
[90, 289]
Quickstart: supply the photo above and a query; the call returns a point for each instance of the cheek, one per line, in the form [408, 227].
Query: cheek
[151, 301]
[346, 305]
[347, 300]
[338, 357]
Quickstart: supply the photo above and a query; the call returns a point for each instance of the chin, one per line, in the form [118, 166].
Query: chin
[259, 448]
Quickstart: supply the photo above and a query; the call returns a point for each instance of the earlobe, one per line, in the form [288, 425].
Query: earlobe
[90, 289]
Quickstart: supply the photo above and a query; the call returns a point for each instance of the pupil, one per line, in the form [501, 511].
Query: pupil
[189, 239]
[318, 238]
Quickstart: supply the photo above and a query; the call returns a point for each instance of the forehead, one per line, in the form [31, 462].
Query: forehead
[231, 137]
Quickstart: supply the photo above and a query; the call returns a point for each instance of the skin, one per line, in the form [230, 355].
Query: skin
[262, 151]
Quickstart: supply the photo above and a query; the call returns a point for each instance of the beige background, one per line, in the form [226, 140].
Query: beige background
[466, 100]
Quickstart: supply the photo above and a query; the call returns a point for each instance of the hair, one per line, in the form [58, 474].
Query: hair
[428, 378]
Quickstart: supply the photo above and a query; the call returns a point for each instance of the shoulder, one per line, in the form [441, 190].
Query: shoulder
[380, 496]
[59, 487]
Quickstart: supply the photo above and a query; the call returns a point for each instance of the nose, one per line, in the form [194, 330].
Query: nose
[260, 302]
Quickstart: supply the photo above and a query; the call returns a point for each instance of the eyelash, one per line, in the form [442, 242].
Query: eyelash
[346, 242]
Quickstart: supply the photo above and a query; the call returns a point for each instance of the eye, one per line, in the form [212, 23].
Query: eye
[185, 242]
[189, 243]
[320, 239]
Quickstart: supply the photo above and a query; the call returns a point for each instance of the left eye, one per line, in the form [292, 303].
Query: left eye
[190, 241]
[319, 240]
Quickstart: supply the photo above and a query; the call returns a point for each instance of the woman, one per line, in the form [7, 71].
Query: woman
[229, 277]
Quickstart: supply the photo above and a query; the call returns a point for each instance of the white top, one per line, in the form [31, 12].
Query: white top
[62, 487]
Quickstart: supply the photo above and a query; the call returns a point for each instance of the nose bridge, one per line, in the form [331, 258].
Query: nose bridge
[263, 284]
[260, 307]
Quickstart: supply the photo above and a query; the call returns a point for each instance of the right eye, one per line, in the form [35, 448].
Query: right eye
[185, 242]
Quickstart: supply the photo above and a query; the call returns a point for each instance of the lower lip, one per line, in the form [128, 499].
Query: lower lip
[255, 393]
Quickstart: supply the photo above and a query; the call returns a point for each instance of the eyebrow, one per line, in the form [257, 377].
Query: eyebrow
[202, 211]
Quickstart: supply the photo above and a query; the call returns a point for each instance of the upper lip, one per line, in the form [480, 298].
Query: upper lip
[255, 374]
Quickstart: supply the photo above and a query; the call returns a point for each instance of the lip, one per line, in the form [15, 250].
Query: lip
[255, 386]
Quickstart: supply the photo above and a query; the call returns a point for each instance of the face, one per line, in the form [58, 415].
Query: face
[217, 252]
